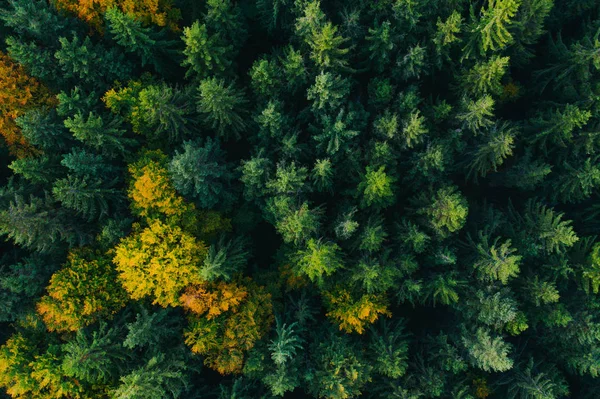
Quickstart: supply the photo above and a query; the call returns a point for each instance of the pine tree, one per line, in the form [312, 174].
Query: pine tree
[206, 55]
[485, 77]
[161, 377]
[129, 33]
[496, 261]
[496, 146]
[376, 188]
[389, 344]
[222, 107]
[201, 172]
[317, 259]
[99, 134]
[94, 357]
[224, 259]
[89, 198]
[446, 210]
[477, 114]
[486, 352]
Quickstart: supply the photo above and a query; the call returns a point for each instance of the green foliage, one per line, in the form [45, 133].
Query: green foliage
[487, 352]
[318, 260]
[222, 107]
[410, 186]
[376, 188]
[205, 54]
[201, 172]
[446, 210]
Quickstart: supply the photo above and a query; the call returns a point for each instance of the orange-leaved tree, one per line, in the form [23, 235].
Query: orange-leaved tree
[225, 321]
[352, 314]
[159, 261]
[158, 12]
[83, 291]
[19, 92]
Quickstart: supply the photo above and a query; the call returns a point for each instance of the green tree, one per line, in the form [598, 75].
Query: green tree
[222, 107]
[376, 188]
[317, 260]
[486, 352]
[205, 54]
[446, 210]
[201, 172]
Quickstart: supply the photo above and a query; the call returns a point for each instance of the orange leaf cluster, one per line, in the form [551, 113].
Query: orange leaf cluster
[213, 298]
[158, 12]
[19, 92]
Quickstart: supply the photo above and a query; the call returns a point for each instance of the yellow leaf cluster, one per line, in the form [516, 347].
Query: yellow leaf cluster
[159, 261]
[224, 339]
[28, 372]
[82, 292]
[213, 299]
[158, 12]
[150, 189]
[354, 315]
[19, 92]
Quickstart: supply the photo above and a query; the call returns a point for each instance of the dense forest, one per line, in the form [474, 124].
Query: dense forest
[253, 199]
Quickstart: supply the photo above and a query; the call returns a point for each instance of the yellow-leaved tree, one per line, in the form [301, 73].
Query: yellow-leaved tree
[159, 12]
[159, 261]
[19, 92]
[225, 321]
[83, 291]
[353, 314]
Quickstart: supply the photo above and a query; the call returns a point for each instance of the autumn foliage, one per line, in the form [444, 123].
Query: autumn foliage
[353, 315]
[19, 93]
[158, 12]
[159, 261]
[225, 321]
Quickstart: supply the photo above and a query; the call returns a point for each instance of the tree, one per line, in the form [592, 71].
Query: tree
[389, 345]
[336, 133]
[376, 188]
[19, 94]
[89, 198]
[352, 314]
[226, 321]
[92, 64]
[326, 47]
[84, 291]
[484, 78]
[413, 129]
[157, 111]
[160, 13]
[496, 261]
[317, 259]
[37, 224]
[497, 145]
[551, 233]
[94, 357]
[202, 173]
[446, 210]
[224, 259]
[151, 190]
[130, 33]
[476, 114]
[159, 262]
[222, 107]
[486, 352]
[206, 55]
[492, 28]
[99, 134]
[161, 377]
[328, 91]
[340, 370]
